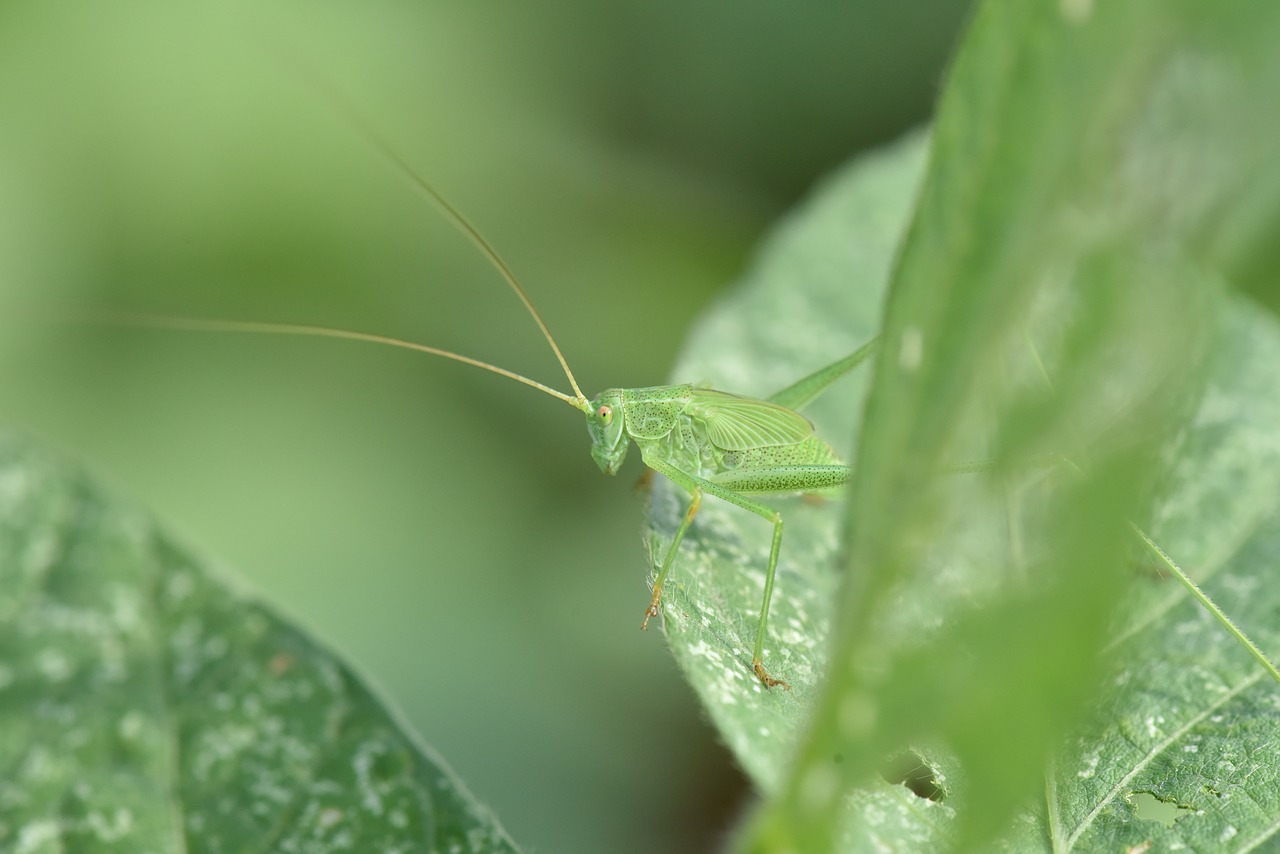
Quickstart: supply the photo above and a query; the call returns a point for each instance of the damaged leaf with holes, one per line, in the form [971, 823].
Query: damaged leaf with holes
[144, 706]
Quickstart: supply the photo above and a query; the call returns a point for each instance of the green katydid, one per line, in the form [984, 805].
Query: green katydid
[707, 442]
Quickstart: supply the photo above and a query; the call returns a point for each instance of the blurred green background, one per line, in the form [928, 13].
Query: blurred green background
[444, 530]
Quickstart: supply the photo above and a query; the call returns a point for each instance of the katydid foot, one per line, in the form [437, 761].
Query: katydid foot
[756, 665]
[763, 676]
[652, 610]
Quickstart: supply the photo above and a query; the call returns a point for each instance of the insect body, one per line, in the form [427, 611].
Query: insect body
[711, 442]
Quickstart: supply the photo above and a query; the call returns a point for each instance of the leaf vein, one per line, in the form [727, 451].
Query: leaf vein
[1159, 748]
[1268, 832]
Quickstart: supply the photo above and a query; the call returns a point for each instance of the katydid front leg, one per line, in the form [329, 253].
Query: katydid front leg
[695, 501]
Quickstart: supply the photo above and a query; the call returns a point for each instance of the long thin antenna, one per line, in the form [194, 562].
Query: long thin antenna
[356, 119]
[202, 325]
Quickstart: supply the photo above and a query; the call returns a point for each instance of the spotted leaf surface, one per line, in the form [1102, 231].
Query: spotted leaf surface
[145, 706]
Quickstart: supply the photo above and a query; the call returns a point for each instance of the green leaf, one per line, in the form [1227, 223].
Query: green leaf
[1095, 172]
[144, 706]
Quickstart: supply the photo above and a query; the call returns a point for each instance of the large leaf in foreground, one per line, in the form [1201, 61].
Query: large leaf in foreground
[146, 707]
[1191, 712]
[1055, 293]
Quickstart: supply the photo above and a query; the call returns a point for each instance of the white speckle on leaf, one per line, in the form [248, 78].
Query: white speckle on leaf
[53, 665]
[126, 611]
[14, 485]
[1228, 832]
[38, 765]
[911, 349]
[795, 636]
[1076, 11]
[216, 647]
[704, 650]
[179, 586]
[111, 829]
[130, 725]
[37, 836]
[1191, 748]
[1089, 768]
[39, 554]
[221, 744]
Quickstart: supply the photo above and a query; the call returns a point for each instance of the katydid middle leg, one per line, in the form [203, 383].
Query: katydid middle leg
[779, 479]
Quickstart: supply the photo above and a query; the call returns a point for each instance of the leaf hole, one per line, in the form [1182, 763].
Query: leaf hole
[909, 769]
[1151, 807]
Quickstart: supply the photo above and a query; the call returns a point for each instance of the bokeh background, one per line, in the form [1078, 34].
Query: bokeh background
[443, 530]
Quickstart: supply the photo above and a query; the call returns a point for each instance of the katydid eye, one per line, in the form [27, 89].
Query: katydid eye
[605, 413]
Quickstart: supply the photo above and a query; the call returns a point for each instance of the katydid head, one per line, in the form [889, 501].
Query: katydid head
[605, 419]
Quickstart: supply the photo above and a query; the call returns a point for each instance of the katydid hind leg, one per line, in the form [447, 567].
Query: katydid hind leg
[694, 484]
[801, 479]
[804, 390]
[758, 652]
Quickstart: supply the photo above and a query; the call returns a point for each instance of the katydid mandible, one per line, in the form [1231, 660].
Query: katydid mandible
[705, 441]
